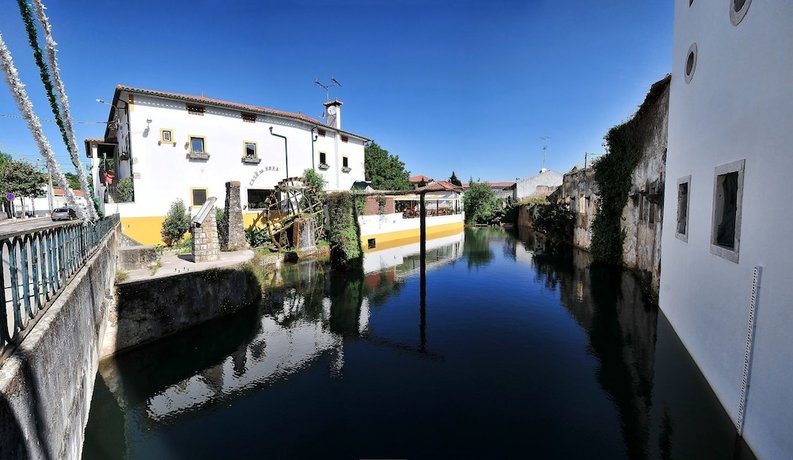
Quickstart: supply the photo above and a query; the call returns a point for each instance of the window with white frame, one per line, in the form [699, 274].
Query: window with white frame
[727, 209]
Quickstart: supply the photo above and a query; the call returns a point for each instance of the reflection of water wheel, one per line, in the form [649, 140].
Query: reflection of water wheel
[293, 198]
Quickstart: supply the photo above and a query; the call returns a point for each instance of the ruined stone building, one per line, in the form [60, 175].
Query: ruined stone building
[641, 220]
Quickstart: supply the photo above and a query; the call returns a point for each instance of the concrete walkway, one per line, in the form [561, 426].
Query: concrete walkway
[173, 264]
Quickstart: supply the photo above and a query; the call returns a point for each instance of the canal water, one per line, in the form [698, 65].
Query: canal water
[514, 352]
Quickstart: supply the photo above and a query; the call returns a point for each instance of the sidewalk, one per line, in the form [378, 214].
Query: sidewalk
[173, 264]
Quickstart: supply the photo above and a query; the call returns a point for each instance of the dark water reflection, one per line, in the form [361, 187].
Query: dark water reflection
[522, 353]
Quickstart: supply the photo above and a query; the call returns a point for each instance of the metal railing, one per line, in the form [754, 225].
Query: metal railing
[36, 266]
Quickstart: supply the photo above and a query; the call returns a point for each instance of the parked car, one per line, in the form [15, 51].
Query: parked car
[64, 213]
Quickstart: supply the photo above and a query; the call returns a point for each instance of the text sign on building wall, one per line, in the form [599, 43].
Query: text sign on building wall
[260, 172]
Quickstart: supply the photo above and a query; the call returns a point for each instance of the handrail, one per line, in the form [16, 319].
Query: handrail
[35, 266]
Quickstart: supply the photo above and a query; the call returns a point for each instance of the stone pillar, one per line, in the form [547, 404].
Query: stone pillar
[235, 234]
[206, 246]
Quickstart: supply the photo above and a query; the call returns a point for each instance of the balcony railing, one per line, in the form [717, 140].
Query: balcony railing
[36, 266]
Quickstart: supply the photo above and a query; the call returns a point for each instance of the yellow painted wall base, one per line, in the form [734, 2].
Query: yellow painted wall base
[144, 230]
[402, 237]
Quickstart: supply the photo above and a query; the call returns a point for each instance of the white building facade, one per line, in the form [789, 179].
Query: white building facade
[727, 280]
[173, 146]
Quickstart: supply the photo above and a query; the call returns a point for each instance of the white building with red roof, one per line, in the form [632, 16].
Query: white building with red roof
[174, 146]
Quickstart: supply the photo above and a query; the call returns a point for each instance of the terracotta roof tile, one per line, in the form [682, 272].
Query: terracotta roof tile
[420, 179]
[229, 105]
[440, 186]
[59, 192]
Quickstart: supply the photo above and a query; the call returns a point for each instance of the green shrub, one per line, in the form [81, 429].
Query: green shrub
[176, 224]
[555, 220]
[125, 190]
[481, 204]
[257, 237]
[343, 232]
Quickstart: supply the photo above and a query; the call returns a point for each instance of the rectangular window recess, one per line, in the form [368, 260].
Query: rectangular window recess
[371, 243]
[344, 138]
[199, 196]
[166, 136]
[321, 132]
[683, 200]
[249, 117]
[725, 236]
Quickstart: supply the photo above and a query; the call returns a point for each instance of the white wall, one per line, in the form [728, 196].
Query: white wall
[528, 186]
[739, 105]
[374, 225]
[163, 173]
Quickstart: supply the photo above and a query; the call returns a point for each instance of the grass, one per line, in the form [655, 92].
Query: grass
[121, 275]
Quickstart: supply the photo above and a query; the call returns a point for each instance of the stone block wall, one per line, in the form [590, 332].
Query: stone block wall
[206, 246]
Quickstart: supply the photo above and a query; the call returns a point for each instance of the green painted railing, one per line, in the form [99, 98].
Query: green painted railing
[36, 266]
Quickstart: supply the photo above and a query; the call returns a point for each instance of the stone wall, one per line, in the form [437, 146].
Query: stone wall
[206, 246]
[134, 257]
[642, 216]
[148, 310]
[580, 192]
[48, 381]
[235, 233]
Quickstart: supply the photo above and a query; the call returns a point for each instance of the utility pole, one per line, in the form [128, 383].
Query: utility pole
[587, 154]
[544, 140]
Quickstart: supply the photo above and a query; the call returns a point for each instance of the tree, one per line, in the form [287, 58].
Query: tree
[385, 171]
[21, 178]
[4, 159]
[176, 223]
[454, 180]
[73, 180]
[480, 203]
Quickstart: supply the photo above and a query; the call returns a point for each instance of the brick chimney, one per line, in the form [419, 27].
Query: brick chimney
[333, 113]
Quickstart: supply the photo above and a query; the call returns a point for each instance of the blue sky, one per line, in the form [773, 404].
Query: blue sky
[469, 86]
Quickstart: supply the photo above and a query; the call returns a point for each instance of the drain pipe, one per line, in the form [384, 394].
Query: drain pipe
[313, 140]
[286, 149]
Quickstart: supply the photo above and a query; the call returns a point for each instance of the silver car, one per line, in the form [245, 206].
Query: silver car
[65, 213]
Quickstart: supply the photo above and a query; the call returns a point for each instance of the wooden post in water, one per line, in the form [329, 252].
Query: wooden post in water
[423, 262]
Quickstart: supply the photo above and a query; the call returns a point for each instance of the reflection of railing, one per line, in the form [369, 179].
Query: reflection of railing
[36, 266]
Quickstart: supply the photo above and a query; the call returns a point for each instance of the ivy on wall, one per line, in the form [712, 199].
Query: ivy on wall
[343, 232]
[624, 145]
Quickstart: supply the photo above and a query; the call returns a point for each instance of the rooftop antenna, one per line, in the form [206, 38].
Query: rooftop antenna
[544, 140]
[333, 82]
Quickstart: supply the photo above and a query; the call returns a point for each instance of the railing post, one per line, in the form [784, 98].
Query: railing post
[25, 276]
[35, 266]
[4, 334]
[12, 268]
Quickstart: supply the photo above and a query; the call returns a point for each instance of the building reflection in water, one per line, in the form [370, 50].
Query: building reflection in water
[308, 316]
[661, 396]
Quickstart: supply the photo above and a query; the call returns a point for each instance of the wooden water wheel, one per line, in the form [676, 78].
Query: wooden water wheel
[292, 199]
